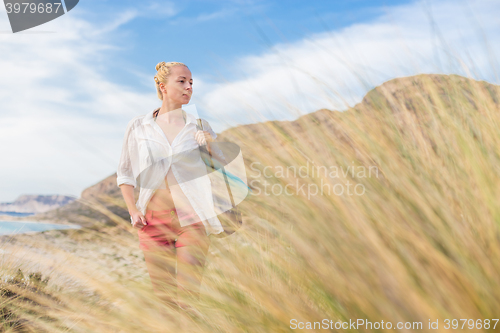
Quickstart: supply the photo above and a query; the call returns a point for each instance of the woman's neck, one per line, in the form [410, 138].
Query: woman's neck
[170, 115]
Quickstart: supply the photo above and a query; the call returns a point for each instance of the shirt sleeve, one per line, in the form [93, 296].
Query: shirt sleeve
[125, 172]
[207, 127]
[215, 148]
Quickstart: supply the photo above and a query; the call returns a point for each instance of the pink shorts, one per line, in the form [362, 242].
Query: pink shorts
[163, 230]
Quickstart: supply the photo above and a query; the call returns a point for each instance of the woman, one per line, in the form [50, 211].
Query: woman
[169, 233]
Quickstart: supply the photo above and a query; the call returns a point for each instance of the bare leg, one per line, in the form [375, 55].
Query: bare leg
[161, 268]
[190, 265]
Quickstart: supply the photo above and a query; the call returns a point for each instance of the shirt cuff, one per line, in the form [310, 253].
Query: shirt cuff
[126, 180]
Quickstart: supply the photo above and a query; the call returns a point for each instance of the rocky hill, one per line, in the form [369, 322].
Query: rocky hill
[102, 203]
[35, 203]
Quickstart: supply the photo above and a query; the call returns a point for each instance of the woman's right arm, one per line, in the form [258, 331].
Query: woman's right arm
[128, 196]
[125, 174]
[137, 219]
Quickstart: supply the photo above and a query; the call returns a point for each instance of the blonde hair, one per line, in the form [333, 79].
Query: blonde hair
[164, 70]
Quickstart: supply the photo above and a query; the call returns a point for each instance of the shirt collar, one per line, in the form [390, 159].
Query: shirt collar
[149, 119]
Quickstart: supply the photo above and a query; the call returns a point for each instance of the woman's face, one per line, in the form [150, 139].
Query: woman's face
[179, 87]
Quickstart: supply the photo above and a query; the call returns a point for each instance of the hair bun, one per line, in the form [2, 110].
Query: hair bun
[164, 71]
[160, 65]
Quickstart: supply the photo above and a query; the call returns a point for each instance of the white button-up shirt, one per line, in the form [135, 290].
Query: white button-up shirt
[147, 156]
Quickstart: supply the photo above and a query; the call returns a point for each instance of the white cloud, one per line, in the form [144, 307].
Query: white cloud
[297, 78]
[62, 118]
[163, 9]
[230, 8]
[59, 112]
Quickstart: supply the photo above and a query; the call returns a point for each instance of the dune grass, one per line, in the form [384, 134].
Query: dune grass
[415, 239]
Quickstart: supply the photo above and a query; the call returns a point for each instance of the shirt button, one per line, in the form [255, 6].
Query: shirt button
[172, 213]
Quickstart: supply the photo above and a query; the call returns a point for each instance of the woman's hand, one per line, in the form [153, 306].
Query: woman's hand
[203, 137]
[139, 221]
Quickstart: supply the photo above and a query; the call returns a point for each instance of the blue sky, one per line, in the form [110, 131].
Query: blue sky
[69, 87]
[209, 34]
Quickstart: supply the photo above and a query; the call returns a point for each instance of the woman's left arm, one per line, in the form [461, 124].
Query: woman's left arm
[206, 137]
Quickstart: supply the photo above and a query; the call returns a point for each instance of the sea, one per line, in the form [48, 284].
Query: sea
[22, 227]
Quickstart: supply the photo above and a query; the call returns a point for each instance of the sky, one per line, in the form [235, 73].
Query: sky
[69, 87]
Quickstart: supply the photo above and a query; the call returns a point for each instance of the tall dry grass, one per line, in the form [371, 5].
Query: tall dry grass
[420, 243]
